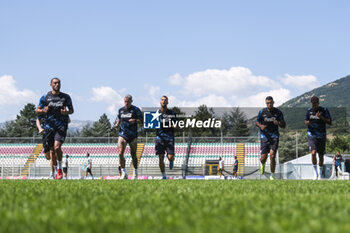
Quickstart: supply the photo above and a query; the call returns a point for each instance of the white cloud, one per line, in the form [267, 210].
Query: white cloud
[301, 82]
[237, 86]
[153, 90]
[210, 101]
[108, 95]
[236, 80]
[258, 100]
[154, 94]
[10, 95]
[176, 79]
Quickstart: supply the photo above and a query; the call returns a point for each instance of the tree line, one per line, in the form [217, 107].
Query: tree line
[234, 124]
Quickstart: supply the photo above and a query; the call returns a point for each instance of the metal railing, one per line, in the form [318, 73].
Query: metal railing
[38, 139]
[283, 171]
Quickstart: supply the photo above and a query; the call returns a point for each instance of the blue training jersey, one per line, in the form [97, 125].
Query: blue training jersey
[266, 117]
[128, 130]
[337, 160]
[53, 119]
[317, 127]
[42, 119]
[166, 133]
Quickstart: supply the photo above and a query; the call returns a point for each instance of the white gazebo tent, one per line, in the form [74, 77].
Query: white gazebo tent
[302, 168]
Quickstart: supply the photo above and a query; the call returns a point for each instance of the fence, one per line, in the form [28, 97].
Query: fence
[37, 139]
[283, 171]
[251, 171]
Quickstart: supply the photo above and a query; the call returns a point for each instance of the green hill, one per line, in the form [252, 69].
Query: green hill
[333, 94]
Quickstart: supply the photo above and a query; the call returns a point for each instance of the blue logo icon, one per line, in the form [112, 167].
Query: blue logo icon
[151, 120]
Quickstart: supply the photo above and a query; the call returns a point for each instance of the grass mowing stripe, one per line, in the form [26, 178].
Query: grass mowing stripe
[174, 206]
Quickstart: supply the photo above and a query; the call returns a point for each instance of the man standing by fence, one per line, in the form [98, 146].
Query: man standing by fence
[88, 166]
[235, 168]
[221, 166]
[65, 166]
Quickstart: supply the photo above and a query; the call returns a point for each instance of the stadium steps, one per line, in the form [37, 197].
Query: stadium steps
[31, 159]
[139, 152]
[240, 157]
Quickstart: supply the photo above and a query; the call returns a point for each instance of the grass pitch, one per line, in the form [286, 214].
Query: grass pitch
[174, 206]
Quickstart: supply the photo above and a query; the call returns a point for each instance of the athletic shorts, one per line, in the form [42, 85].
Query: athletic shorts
[65, 170]
[128, 139]
[163, 146]
[268, 144]
[317, 144]
[235, 169]
[88, 170]
[220, 170]
[122, 142]
[51, 135]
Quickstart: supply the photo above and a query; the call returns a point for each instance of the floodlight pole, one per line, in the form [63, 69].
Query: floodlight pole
[221, 134]
[296, 143]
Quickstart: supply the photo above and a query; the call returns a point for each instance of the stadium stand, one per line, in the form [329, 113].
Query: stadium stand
[101, 153]
[200, 152]
[15, 154]
[252, 154]
[32, 158]
[106, 161]
[149, 157]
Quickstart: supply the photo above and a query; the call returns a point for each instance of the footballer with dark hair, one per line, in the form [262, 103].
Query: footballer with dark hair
[53, 106]
[268, 121]
[316, 119]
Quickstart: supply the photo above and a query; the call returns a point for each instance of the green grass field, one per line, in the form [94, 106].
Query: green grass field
[174, 206]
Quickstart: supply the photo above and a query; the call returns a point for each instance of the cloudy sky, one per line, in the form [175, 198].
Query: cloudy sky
[219, 53]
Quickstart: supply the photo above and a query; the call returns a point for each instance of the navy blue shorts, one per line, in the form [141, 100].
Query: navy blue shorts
[65, 170]
[235, 169]
[163, 146]
[51, 135]
[317, 144]
[268, 144]
[128, 139]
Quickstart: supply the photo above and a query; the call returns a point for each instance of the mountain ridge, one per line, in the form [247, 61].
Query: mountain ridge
[332, 94]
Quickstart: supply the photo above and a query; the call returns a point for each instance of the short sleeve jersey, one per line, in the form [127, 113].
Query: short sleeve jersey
[236, 162]
[64, 162]
[317, 127]
[88, 162]
[266, 117]
[221, 164]
[53, 118]
[128, 130]
[166, 134]
[338, 160]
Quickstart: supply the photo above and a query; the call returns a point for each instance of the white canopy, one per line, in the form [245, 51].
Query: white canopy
[307, 160]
